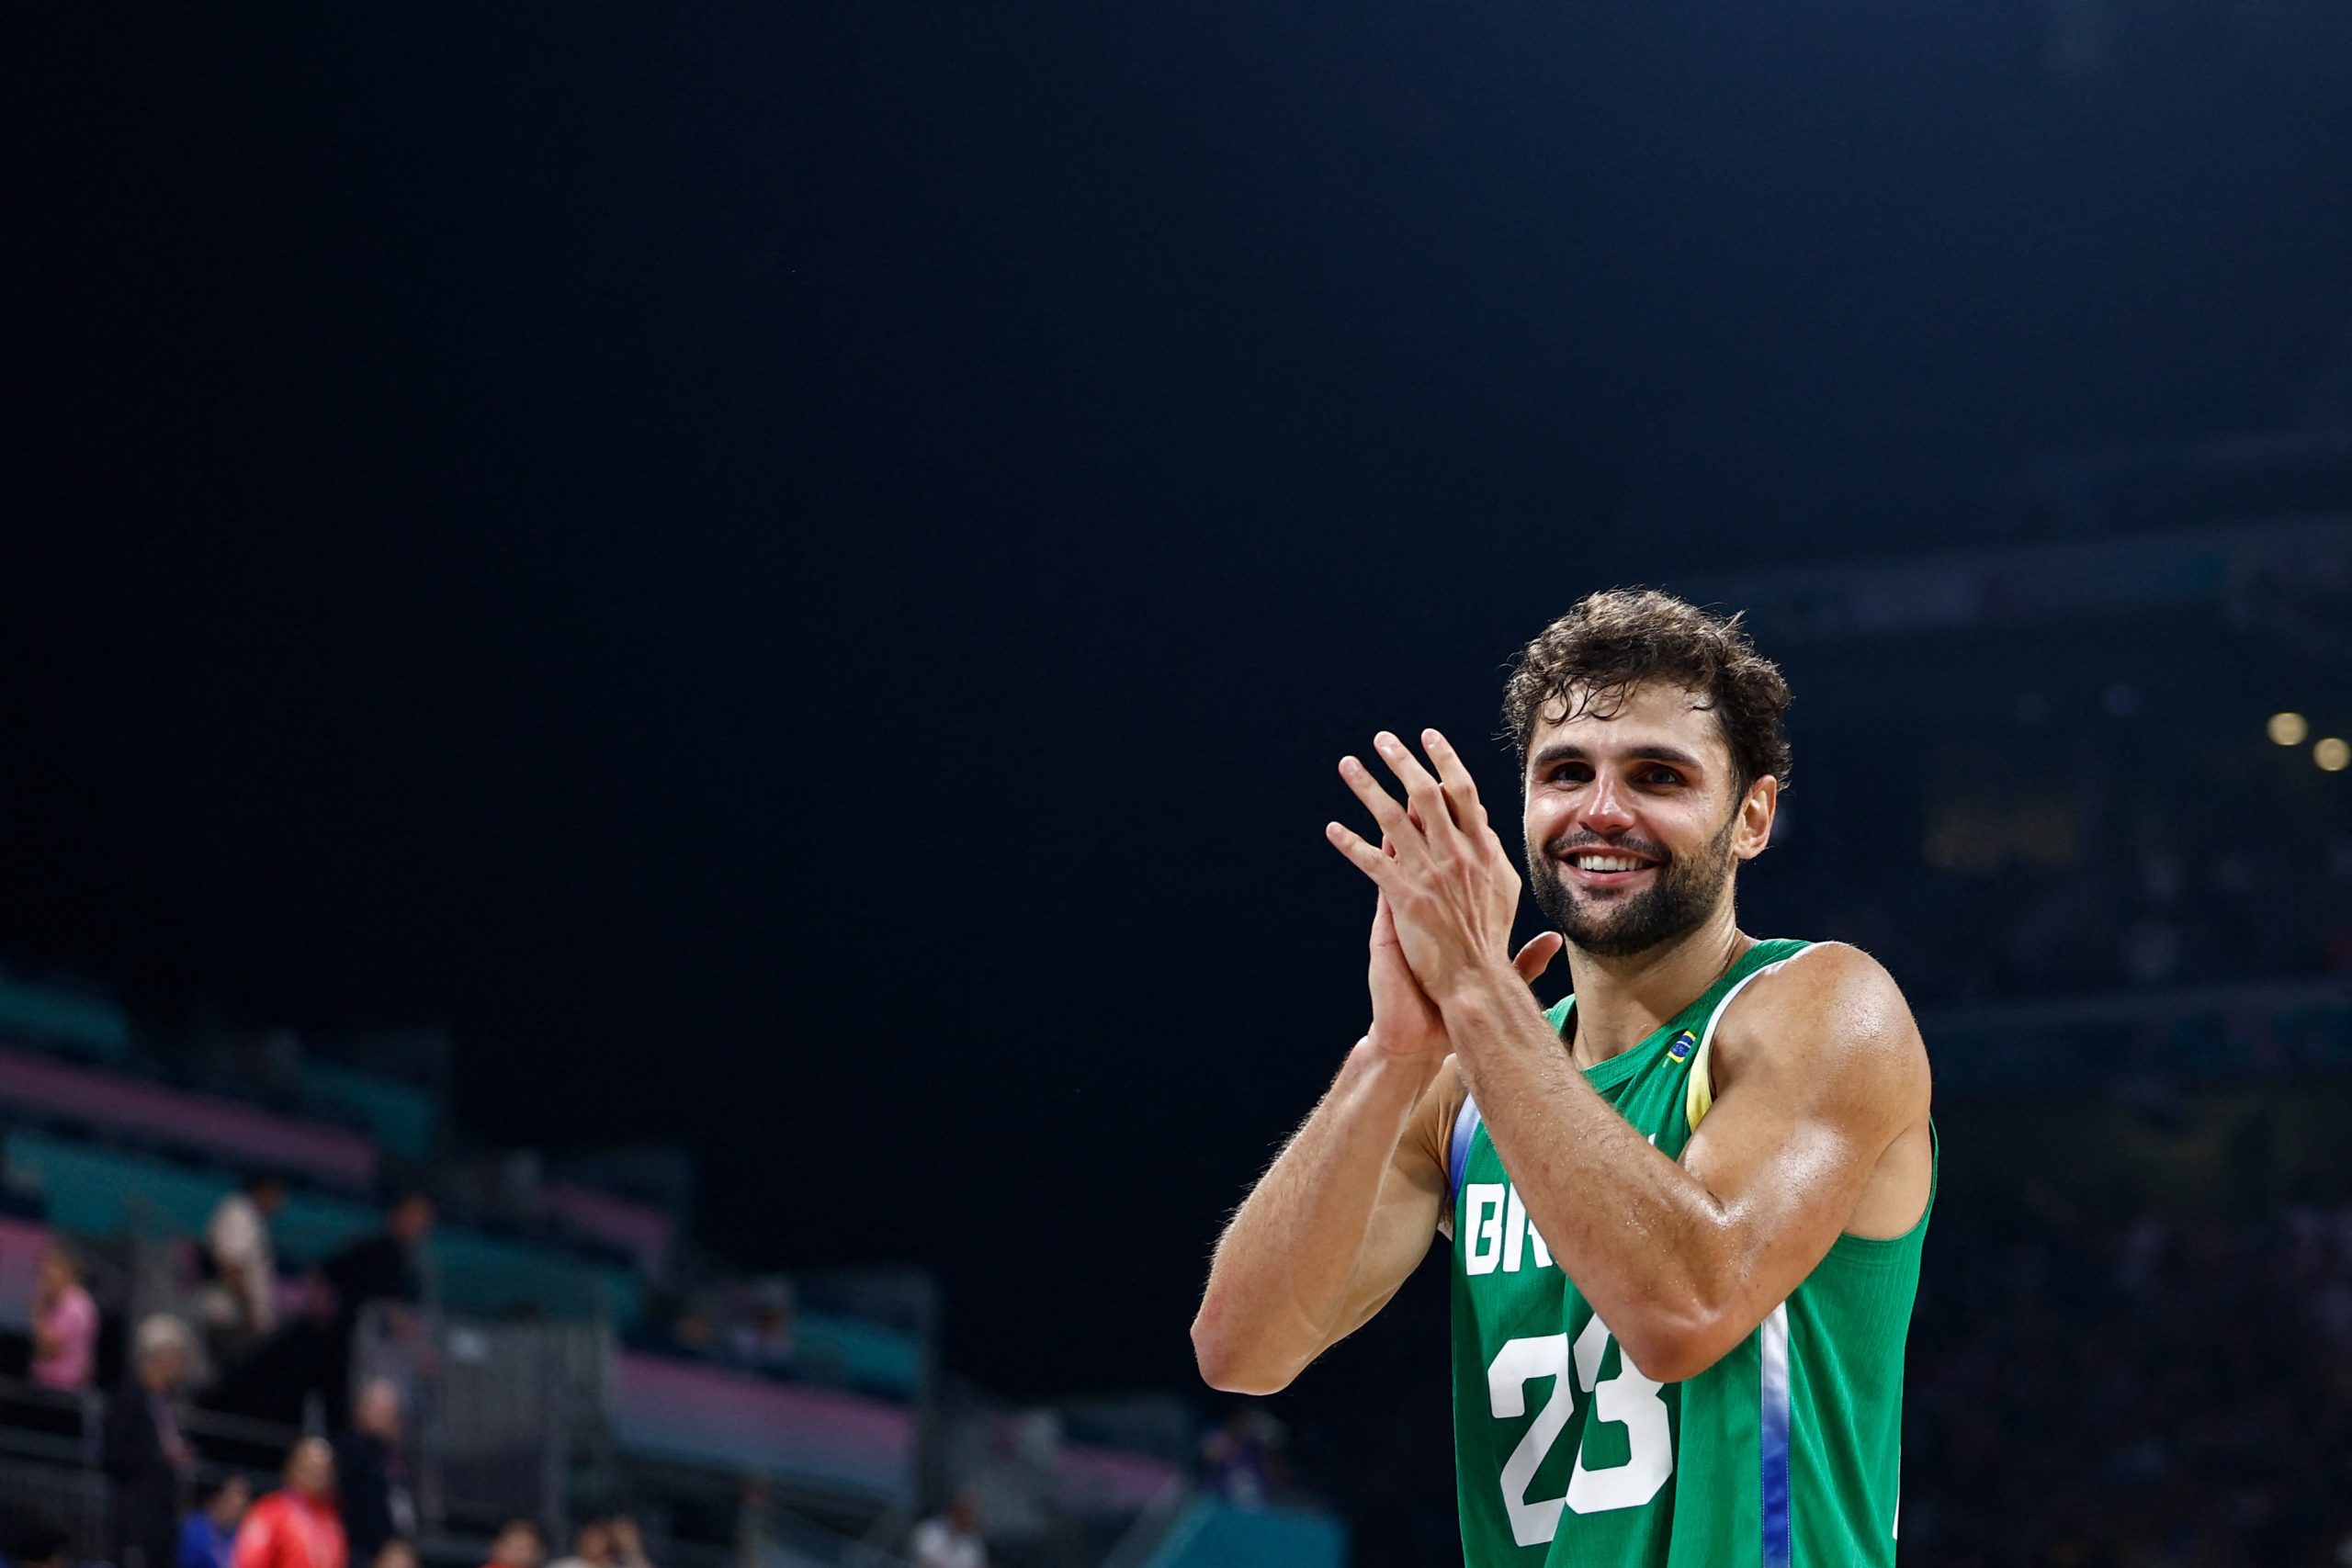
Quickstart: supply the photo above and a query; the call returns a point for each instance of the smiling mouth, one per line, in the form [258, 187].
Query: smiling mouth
[1597, 868]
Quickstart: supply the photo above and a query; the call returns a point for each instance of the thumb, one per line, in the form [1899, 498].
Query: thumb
[1537, 955]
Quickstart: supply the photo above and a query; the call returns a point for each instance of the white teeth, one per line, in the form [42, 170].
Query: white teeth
[1606, 863]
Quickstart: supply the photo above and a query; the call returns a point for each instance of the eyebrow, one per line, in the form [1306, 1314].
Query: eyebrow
[1567, 751]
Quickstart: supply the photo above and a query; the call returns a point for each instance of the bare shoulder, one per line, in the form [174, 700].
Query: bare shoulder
[1830, 1018]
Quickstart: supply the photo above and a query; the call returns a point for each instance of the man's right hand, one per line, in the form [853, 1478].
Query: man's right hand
[1405, 1022]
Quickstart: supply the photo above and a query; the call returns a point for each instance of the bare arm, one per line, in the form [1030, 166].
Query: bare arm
[1349, 1205]
[1684, 1260]
[1331, 1230]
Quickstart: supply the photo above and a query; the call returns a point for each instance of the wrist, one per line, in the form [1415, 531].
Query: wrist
[1387, 1076]
[1477, 999]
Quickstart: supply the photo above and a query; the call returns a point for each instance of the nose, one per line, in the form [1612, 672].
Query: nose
[1605, 810]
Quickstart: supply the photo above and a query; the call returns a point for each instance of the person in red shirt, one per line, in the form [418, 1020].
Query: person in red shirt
[297, 1526]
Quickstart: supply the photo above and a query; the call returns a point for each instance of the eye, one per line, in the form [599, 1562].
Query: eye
[1572, 772]
[1661, 775]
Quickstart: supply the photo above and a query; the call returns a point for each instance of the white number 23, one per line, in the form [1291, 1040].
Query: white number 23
[1628, 1399]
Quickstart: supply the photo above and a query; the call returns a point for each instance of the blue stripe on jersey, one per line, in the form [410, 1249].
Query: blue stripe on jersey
[1457, 1152]
[1775, 1334]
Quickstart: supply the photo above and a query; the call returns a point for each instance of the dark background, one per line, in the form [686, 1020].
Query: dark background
[794, 574]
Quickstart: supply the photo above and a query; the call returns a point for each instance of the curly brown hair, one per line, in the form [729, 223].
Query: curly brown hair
[1610, 642]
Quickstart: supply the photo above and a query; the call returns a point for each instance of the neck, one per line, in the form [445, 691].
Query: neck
[1623, 1001]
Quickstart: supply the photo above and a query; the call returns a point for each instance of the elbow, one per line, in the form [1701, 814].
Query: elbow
[1226, 1361]
[1672, 1346]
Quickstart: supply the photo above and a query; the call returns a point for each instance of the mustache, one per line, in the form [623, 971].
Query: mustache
[1570, 843]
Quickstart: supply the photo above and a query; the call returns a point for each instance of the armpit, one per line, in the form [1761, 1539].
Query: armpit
[1429, 1137]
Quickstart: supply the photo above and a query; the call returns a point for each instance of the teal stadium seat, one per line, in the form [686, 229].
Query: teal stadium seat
[58, 1019]
[94, 1191]
[1217, 1535]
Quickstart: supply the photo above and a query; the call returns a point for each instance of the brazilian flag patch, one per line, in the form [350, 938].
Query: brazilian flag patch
[1682, 1045]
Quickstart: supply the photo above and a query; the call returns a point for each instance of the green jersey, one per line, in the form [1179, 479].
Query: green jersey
[1784, 1454]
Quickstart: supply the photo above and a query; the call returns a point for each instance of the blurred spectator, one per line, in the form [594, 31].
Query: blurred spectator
[951, 1540]
[380, 1268]
[144, 1453]
[241, 1304]
[371, 1473]
[517, 1544]
[592, 1546]
[696, 1331]
[297, 1525]
[209, 1534]
[628, 1542]
[764, 1340]
[64, 1322]
[397, 1552]
[1238, 1460]
[275, 1382]
[754, 1504]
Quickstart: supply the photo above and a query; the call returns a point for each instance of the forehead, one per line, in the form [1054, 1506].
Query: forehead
[1655, 716]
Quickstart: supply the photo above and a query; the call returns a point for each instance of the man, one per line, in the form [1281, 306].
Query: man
[1685, 1206]
[371, 1473]
[241, 1306]
[379, 1267]
[297, 1525]
[144, 1454]
[951, 1540]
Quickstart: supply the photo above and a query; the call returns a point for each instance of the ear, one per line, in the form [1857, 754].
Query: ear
[1756, 812]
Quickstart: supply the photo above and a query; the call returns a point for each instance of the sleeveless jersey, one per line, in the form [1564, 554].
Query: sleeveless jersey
[1784, 1454]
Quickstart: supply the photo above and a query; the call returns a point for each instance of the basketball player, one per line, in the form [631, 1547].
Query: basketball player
[1685, 1206]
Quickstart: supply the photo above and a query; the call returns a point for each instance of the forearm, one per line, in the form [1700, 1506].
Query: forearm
[1642, 1240]
[1283, 1268]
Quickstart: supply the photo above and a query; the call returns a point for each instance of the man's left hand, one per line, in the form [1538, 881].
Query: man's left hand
[1451, 886]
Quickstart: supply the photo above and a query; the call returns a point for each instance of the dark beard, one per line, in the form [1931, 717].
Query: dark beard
[1674, 905]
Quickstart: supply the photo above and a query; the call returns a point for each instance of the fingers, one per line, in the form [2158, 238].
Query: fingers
[1537, 955]
[1436, 806]
[1398, 829]
[1431, 808]
[1367, 857]
[1461, 789]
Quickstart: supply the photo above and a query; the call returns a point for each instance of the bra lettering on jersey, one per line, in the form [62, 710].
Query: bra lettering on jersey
[1496, 1233]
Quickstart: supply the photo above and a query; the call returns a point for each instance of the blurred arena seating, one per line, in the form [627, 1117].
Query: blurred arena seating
[573, 1346]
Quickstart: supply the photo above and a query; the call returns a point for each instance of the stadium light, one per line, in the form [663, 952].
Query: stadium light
[2289, 728]
[2333, 754]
